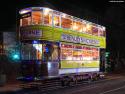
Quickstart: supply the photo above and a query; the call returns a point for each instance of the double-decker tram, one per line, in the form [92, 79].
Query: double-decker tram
[55, 43]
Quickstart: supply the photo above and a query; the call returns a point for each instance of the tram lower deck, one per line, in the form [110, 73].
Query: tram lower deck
[52, 59]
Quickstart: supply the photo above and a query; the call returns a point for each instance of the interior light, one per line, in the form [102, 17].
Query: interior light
[84, 29]
[88, 26]
[103, 28]
[74, 26]
[24, 11]
[35, 42]
[64, 15]
[49, 65]
[55, 21]
[46, 11]
[38, 47]
[80, 30]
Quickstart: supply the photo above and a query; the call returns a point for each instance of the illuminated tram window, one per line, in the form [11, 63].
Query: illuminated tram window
[47, 16]
[25, 21]
[102, 31]
[89, 28]
[55, 18]
[36, 17]
[66, 21]
[77, 26]
[94, 30]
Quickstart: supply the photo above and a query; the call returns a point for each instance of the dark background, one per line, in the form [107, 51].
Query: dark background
[110, 15]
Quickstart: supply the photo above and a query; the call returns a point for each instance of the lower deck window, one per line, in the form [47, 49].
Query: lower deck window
[50, 52]
[80, 53]
[43, 51]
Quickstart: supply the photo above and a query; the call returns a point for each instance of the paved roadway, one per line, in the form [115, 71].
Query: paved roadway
[112, 85]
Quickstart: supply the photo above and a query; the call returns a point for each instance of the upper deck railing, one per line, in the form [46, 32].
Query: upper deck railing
[49, 17]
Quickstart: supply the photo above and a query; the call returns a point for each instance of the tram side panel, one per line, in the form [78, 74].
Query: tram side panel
[76, 58]
[38, 65]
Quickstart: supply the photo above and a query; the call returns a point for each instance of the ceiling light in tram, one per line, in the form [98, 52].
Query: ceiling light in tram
[75, 26]
[88, 27]
[80, 30]
[64, 15]
[56, 21]
[38, 47]
[24, 11]
[84, 29]
[46, 11]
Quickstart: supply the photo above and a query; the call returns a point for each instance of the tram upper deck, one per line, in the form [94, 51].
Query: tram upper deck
[48, 17]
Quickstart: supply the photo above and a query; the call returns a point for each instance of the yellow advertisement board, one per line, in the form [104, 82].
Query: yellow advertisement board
[79, 64]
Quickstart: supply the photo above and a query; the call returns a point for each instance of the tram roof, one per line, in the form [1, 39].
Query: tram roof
[26, 10]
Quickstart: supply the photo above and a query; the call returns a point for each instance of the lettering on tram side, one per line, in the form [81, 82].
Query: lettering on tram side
[25, 15]
[31, 33]
[77, 39]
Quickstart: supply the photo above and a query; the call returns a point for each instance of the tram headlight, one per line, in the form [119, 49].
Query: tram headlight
[46, 11]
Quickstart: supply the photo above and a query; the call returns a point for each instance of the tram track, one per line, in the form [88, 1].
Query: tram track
[91, 86]
[86, 85]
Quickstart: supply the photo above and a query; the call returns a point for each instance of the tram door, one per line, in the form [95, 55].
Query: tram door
[39, 59]
[31, 58]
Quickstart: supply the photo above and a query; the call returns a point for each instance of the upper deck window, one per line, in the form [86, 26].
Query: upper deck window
[84, 26]
[77, 26]
[102, 31]
[47, 16]
[25, 19]
[36, 17]
[66, 21]
[95, 30]
[56, 18]
[89, 28]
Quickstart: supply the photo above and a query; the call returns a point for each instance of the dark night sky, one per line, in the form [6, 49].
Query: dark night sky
[111, 15]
